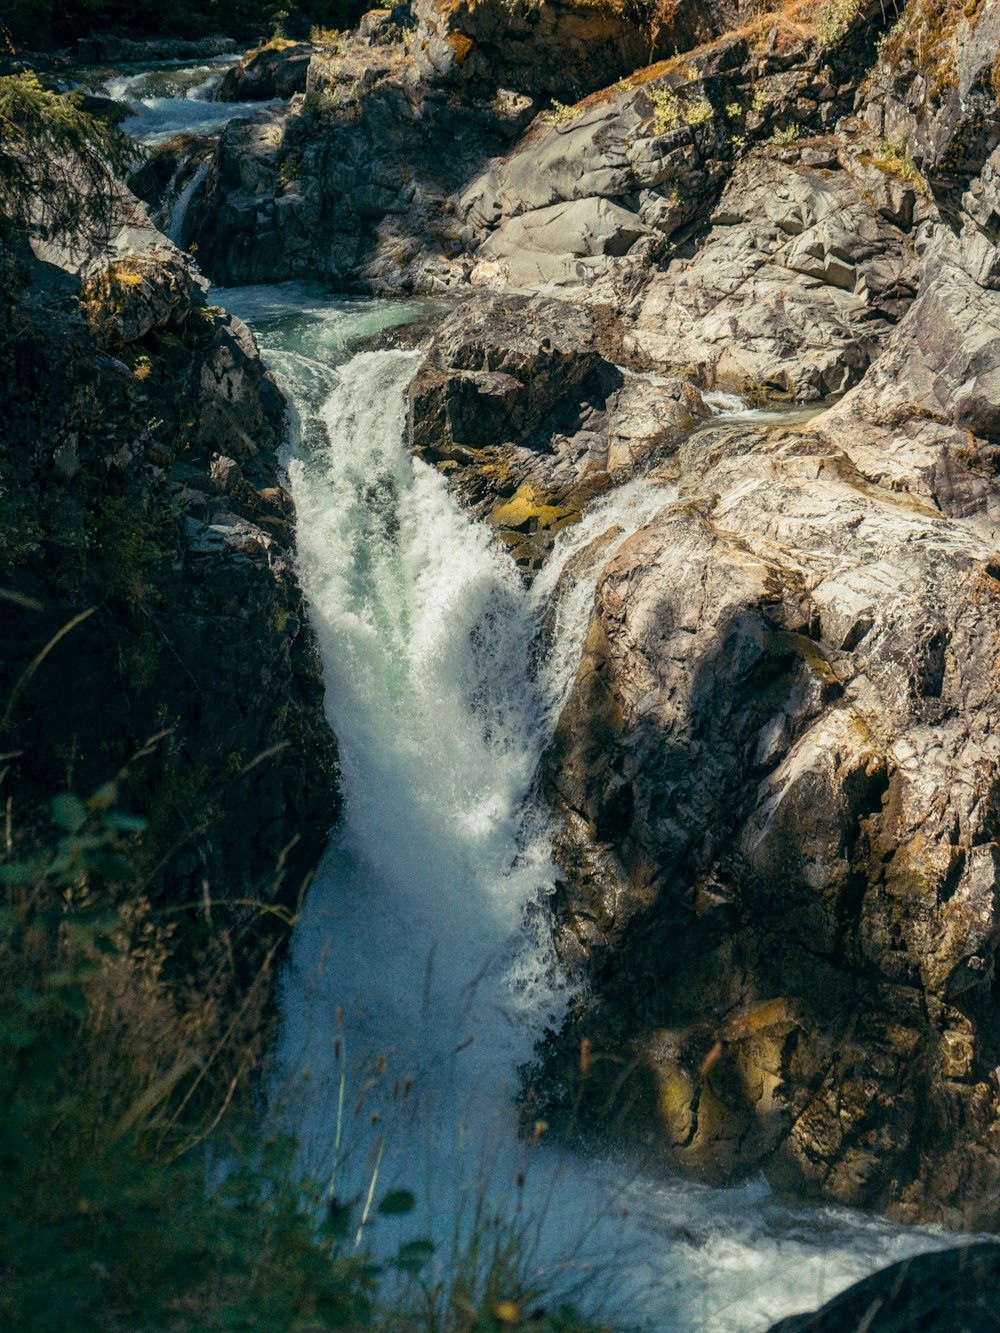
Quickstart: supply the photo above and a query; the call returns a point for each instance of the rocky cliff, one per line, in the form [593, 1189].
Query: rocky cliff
[776, 773]
[143, 513]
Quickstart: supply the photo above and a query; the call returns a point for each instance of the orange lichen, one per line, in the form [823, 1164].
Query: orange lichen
[460, 44]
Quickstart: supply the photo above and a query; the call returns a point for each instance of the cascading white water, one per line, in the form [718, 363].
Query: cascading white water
[179, 207]
[173, 98]
[416, 954]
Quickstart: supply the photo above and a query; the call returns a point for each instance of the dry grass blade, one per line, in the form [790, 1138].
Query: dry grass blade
[26, 675]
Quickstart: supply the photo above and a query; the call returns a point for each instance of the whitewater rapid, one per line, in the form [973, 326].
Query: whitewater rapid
[174, 98]
[421, 972]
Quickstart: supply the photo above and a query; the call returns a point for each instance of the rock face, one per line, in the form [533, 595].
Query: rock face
[273, 71]
[349, 183]
[777, 765]
[777, 768]
[562, 47]
[518, 404]
[780, 865]
[809, 263]
[141, 489]
[951, 1291]
[649, 155]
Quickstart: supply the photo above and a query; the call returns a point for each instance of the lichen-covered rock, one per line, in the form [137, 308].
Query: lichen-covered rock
[518, 403]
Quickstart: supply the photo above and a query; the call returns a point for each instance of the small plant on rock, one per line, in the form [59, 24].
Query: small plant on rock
[835, 18]
[560, 114]
[785, 134]
[671, 111]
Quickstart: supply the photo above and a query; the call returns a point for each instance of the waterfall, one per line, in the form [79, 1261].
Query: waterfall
[418, 961]
[179, 207]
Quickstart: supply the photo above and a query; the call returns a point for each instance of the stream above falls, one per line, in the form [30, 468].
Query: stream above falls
[422, 972]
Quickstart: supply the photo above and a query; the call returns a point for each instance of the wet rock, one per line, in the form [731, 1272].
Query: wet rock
[947, 1291]
[109, 49]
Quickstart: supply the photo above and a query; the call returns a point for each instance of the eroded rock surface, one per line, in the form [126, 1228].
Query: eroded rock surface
[141, 489]
[518, 403]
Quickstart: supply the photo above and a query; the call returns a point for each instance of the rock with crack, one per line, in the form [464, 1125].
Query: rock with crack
[779, 771]
[810, 260]
[517, 405]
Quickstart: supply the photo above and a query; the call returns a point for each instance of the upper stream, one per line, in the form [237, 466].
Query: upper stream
[174, 98]
[421, 972]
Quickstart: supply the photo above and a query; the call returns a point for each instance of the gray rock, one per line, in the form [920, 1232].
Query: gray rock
[795, 285]
[270, 72]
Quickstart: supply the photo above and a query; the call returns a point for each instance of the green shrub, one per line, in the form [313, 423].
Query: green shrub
[670, 111]
[137, 1187]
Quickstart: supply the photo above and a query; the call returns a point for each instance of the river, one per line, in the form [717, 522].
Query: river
[422, 953]
[421, 972]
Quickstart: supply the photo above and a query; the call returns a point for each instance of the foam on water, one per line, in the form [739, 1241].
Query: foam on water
[171, 98]
[445, 675]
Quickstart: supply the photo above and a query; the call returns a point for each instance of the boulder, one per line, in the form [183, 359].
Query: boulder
[277, 70]
[945, 1291]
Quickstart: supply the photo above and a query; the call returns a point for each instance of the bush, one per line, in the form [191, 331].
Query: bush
[59, 166]
[137, 1187]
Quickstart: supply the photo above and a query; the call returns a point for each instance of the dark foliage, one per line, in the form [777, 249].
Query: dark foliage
[59, 166]
[45, 24]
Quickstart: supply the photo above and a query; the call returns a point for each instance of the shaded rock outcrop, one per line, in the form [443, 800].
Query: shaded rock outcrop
[141, 493]
[950, 1291]
[349, 183]
[560, 47]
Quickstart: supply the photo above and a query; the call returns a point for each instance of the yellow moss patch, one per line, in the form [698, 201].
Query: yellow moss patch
[527, 511]
[460, 44]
